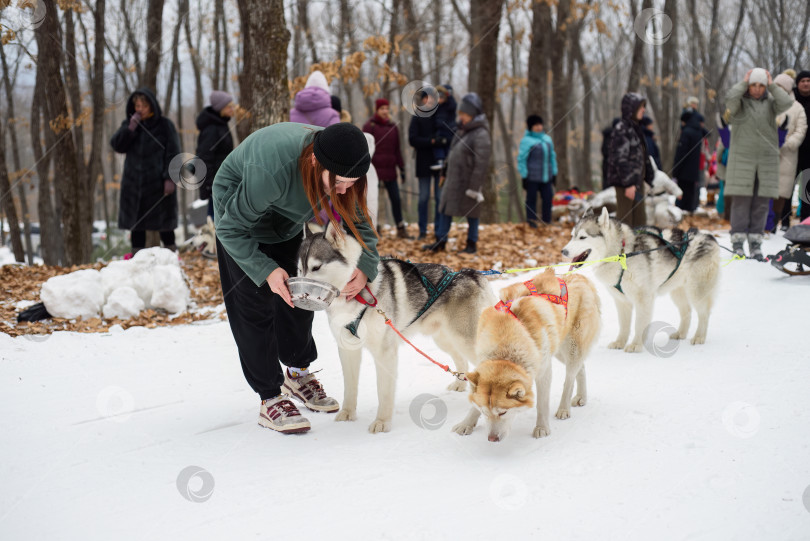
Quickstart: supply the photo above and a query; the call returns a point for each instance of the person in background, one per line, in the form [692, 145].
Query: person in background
[628, 164]
[467, 170]
[444, 125]
[422, 137]
[278, 179]
[795, 121]
[537, 165]
[214, 142]
[802, 95]
[649, 139]
[752, 173]
[313, 104]
[606, 133]
[387, 158]
[148, 200]
[686, 167]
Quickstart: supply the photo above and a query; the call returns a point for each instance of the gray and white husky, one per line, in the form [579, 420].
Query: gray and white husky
[691, 284]
[402, 292]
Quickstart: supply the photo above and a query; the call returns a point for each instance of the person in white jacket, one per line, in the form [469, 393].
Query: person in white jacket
[789, 152]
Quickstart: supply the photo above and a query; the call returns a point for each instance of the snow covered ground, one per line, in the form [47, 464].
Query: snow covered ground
[152, 434]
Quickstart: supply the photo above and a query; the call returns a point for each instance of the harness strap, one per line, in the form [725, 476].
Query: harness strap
[433, 291]
[562, 298]
[621, 274]
[352, 325]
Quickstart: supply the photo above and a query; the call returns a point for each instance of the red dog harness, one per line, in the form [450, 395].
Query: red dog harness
[562, 298]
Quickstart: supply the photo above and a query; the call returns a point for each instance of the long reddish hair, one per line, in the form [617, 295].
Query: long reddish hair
[346, 205]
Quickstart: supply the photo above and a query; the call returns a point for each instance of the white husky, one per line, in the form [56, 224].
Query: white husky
[421, 298]
[685, 265]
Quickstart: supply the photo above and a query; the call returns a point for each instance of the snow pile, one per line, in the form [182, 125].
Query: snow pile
[6, 256]
[151, 279]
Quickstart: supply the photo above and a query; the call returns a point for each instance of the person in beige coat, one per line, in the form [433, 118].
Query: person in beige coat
[789, 152]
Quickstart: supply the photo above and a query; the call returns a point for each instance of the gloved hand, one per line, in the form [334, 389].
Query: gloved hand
[402, 176]
[134, 120]
[554, 180]
[168, 187]
[525, 183]
[478, 196]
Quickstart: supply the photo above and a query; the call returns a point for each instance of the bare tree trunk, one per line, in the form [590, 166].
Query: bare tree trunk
[183, 195]
[263, 81]
[8, 203]
[15, 153]
[182, 13]
[539, 52]
[668, 120]
[508, 150]
[71, 192]
[95, 172]
[485, 21]
[51, 245]
[219, 14]
[414, 37]
[587, 121]
[195, 65]
[154, 32]
[637, 65]
[559, 130]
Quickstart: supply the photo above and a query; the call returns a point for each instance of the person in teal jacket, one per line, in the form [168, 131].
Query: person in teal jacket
[537, 165]
[277, 180]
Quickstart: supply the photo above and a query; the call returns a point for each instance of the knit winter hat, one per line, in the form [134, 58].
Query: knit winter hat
[532, 121]
[381, 102]
[442, 90]
[785, 81]
[220, 100]
[471, 104]
[804, 74]
[692, 100]
[318, 80]
[790, 72]
[758, 76]
[342, 149]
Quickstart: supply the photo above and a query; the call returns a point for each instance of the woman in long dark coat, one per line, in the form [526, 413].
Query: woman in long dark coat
[148, 198]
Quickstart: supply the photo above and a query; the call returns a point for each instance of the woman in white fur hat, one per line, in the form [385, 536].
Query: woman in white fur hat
[752, 174]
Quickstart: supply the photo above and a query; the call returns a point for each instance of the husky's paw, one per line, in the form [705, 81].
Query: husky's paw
[541, 432]
[379, 426]
[617, 344]
[458, 385]
[677, 336]
[562, 414]
[346, 415]
[463, 429]
[634, 348]
[579, 400]
[698, 340]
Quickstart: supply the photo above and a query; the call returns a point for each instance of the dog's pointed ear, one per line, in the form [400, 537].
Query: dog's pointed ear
[311, 228]
[472, 377]
[588, 213]
[516, 391]
[604, 217]
[333, 234]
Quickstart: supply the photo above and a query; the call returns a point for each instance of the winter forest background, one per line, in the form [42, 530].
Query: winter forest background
[68, 67]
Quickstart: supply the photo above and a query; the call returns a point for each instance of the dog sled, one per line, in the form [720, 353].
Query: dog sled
[795, 259]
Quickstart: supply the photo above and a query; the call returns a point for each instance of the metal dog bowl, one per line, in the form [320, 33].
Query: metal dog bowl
[310, 294]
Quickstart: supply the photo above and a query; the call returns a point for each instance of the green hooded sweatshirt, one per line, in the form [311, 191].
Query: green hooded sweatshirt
[259, 198]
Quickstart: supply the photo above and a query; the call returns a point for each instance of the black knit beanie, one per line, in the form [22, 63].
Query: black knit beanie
[533, 120]
[343, 150]
[804, 74]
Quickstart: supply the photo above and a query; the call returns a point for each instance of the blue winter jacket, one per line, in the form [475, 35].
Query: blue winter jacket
[537, 161]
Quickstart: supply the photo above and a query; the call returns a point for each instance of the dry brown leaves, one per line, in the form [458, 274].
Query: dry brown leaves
[500, 246]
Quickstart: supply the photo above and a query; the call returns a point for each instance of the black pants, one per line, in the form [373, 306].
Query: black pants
[691, 195]
[265, 328]
[138, 238]
[392, 188]
[546, 190]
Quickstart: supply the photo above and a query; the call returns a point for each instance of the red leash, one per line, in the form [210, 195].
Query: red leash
[361, 300]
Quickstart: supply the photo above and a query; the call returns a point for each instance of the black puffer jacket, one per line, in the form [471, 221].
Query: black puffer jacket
[804, 149]
[420, 133]
[149, 149]
[628, 164]
[213, 145]
[687, 156]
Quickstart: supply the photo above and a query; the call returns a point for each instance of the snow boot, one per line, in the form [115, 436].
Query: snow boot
[470, 248]
[434, 247]
[755, 246]
[737, 241]
[402, 233]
